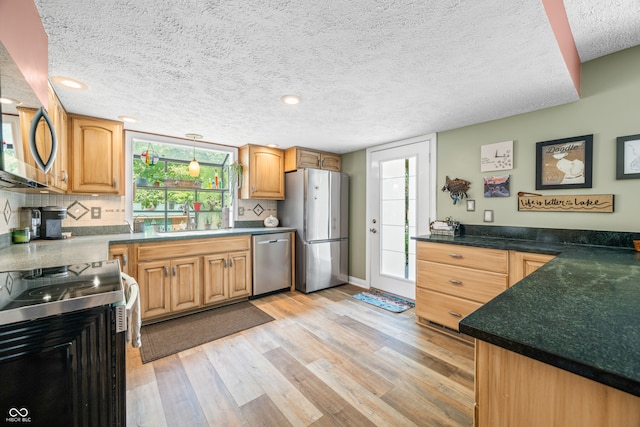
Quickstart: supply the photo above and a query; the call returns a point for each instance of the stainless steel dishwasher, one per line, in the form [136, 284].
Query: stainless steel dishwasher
[271, 263]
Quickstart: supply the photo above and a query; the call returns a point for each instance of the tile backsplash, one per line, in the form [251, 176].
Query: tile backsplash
[100, 211]
[10, 204]
[256, 210]
[82, 210]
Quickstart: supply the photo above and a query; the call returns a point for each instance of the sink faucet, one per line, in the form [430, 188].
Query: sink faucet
[187, 211]
[191, 222]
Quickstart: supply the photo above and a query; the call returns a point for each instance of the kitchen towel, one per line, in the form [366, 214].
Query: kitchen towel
[132, 294]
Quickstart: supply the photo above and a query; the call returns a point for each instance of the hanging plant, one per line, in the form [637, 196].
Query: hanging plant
[235, 175]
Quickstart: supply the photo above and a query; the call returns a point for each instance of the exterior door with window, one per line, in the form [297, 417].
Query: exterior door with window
[398, 209]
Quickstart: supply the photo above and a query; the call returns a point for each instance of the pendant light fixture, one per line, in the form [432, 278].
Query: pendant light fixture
[194, 166]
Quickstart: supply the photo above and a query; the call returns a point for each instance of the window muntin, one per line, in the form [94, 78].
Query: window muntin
[159, 203]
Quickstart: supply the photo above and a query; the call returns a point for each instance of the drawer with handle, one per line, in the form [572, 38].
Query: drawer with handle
[476, 285]
[443, 309]
[464, 256]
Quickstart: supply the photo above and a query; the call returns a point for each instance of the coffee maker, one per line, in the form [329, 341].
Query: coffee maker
[51, 225]
[30, 217]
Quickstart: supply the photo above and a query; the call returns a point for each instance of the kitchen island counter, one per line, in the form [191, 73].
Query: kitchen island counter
[579, 312]
[87, 249]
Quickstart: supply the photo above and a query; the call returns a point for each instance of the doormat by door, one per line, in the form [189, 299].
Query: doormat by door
[173, 336]
[383, 300]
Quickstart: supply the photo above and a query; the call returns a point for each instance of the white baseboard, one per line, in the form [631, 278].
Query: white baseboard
[358, 282]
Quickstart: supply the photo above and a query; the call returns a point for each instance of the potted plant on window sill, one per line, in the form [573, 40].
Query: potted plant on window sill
[153, 174]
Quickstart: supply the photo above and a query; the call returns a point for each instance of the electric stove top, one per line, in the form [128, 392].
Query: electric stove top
[41, 292]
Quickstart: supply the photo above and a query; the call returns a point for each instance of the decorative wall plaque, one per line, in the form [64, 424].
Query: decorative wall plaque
[589, 203]
[496, 157]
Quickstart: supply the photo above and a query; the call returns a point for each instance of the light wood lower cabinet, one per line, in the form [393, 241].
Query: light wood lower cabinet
[155, 288]
[209, 272]
[521, 264]
[185, 284]
[515, 390]
[453, 280]
[121, 253]
[226, 276]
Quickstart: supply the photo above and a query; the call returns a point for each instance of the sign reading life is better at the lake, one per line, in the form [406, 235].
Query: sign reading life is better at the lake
[590, 203]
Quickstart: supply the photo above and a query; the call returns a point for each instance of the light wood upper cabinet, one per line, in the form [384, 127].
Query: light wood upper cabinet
[96, 156]
[299, 158]
[524, 263]
[263, 172]
[60, 120]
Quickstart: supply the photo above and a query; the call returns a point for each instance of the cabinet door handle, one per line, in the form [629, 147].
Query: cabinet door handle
[455, 255]
[253, 188]
[322, 163]
[455, 282]
[115, 183]
[124, 260]
[230, 262]
[175, 270]
[455, 314]
[166, 272]
[224, 262]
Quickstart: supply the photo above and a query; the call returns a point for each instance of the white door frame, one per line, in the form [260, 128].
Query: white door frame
[426, 209]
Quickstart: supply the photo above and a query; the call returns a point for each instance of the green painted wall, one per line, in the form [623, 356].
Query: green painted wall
[355, 164]
[608, 108]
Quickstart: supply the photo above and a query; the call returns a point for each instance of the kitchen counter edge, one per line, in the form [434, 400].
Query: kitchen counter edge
[578, 312]
[86, 249]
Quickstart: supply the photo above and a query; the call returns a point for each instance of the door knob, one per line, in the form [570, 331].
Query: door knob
[373, 230]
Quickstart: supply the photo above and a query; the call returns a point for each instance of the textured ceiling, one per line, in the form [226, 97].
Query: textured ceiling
[367, 72]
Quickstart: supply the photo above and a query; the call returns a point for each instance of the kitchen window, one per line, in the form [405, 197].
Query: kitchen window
[164, 197]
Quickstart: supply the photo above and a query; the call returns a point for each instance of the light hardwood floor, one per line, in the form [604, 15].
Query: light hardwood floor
[327, 360]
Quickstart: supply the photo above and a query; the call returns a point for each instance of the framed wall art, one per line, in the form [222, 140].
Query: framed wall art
[628, 157]
[471, 205]
[496, 157]
[564, 163]
[497, 186]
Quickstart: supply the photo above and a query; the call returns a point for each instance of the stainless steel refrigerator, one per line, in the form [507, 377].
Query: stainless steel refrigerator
[317, 206]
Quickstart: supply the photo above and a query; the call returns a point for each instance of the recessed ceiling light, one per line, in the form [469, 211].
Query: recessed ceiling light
[290, 99]
[69, 83]
[128, 119]
[9, 101]
[272, 145]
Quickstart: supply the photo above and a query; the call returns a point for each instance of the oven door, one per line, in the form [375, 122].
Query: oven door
[67, 369]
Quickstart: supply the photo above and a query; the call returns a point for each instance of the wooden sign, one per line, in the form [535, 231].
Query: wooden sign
[590, 203]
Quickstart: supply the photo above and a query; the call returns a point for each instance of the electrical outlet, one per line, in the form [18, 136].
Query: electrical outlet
[96, 213]
[240, 211]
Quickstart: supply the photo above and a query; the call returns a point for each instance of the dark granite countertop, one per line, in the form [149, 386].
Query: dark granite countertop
[579, 312]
